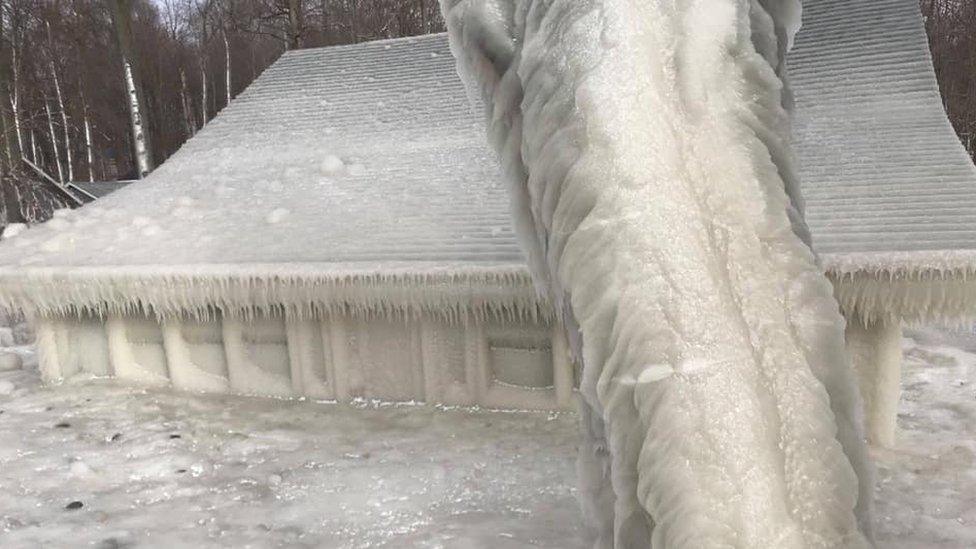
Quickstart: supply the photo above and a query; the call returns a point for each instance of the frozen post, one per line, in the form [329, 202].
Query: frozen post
[875, 350]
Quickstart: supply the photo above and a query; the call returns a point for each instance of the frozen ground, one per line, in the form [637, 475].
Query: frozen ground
[156, 468]
[926, 489]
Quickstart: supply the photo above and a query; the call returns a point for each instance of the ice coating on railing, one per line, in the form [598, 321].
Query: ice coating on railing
[647, 149]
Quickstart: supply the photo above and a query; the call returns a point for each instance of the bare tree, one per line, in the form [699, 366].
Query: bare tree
[227, 66]
[54, 140]
[61, 107]
[203, 95]
[296, 23]
[122, 16]
[15, 96]
[88, 139]
[188, 122]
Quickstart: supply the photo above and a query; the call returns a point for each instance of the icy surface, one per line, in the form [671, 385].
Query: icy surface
[926, 486]
[162, 469]
[266, 473]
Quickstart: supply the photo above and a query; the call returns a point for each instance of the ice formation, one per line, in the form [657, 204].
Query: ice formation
[13, 229]
[647, 146]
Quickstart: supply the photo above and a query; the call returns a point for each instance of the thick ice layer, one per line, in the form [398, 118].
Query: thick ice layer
[647, 148]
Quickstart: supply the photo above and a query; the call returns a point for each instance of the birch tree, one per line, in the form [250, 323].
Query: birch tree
[15, 96]
[88, 138]
[54, 140]
[61, 106]
[203, 94]
[223, 33]
[122, 17]
[33, 146]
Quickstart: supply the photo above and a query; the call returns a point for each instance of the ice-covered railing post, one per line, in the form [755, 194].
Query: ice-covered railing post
[875, 348]
[647, 147]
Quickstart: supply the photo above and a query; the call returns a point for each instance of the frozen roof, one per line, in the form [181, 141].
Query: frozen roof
[359, 177]
[891, 192]
[351, 177]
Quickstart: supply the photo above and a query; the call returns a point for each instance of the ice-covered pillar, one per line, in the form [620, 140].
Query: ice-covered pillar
[49, 362]
[875, 350]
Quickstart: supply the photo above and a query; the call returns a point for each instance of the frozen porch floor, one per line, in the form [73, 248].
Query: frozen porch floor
[158, 468]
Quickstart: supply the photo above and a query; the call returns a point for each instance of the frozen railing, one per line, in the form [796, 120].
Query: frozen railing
[494, 365]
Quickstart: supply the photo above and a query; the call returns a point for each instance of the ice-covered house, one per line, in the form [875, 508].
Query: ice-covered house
[341, 231]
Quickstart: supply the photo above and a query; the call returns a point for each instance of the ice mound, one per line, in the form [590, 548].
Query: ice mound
[277, 216]
[647, 147]
[332, 165]
[13, 229]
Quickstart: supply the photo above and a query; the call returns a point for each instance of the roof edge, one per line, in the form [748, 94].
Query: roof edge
[367, 43]
[921, 286]
[901, 263]
[911, 286]
[454, 293]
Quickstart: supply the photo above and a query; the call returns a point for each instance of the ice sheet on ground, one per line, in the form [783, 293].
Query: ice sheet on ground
[267, 472]
[171, 469]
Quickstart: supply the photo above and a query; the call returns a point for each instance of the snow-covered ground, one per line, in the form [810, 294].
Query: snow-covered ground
[158, 468]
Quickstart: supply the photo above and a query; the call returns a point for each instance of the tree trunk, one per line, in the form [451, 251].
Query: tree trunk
[54, 140]
[64, 123]
[122, 15]
[227, 64]
[33, 141]
[203, 93]
[354, 21]
[61, 107]
[189, 123]
[15, 99]
[296, 23]
[88, 141]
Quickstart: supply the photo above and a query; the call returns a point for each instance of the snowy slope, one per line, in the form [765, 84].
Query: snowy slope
[300, 474]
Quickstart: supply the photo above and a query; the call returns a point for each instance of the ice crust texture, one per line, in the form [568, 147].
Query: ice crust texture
[647, 147]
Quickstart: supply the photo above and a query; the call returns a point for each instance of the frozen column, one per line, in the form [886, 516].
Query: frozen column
[875, 350]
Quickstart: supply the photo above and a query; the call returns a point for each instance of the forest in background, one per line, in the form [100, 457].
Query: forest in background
[63, 86]
[951, 26]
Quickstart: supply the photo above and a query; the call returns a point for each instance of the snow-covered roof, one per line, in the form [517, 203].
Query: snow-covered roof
[358, 177]
[350, 177]
[891, 192]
